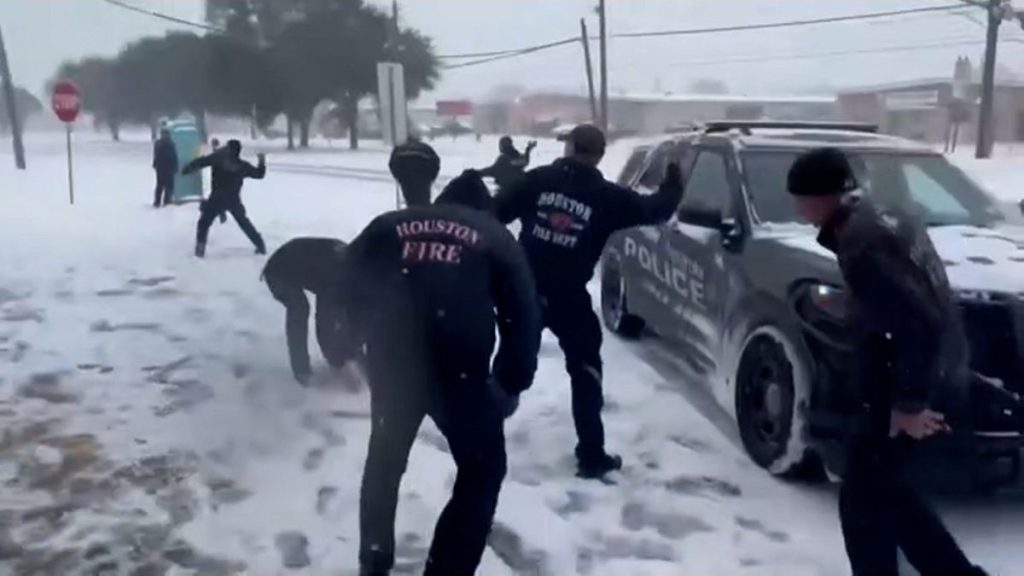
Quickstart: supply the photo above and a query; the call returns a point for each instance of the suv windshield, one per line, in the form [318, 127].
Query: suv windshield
[925, 186]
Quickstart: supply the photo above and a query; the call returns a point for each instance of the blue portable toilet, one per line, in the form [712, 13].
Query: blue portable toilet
[189, 146]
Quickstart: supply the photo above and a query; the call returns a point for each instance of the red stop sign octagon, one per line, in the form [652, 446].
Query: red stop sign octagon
[66, 101]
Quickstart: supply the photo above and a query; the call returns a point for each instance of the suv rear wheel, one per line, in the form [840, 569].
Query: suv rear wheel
[771, 382]
[614, 307]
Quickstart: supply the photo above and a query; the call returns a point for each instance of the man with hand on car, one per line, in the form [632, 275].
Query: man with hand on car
[568, 211]
[912, 353]
[424, 288]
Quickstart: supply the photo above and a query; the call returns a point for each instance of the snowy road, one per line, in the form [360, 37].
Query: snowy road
[151, 425]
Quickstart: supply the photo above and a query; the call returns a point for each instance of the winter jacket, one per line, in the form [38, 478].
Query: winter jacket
[432, 283]
[310, 263]
[910, 344]
[508, 168]
[229, 172]
[165, 157]
[568, 211]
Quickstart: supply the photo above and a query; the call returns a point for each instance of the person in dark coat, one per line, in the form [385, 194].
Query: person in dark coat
[310, 265]
[434, 282]
[912, 353]
[415, 165]
[165, 164]
[229, 173]
[568, 211]
[511, 164]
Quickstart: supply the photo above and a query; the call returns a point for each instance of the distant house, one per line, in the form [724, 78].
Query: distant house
[923, 109]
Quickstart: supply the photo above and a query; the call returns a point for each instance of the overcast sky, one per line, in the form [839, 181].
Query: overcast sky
[41, 33]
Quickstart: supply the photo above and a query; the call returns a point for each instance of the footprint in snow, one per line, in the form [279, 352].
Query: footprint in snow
[294, 549]
[701, 485]
[514, 552]
[636, 516]
[575, 503]
[324, 497]
[151, 281]
[165, 293]
[105, 326]
[22, 314]
[47, 386]
[114, 292]
[643, 548]
[314, 458]
[758, 527]
[9, 296]
[693, 444]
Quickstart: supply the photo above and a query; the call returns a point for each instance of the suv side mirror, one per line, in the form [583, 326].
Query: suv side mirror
[705, 218]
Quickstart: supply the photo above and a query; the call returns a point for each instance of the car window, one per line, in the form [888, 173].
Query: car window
[633, 165]
[926, 192]
[707, 187]
[923, 185]
[654, 173]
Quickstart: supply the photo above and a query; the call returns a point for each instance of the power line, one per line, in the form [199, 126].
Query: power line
[839, 53]
[713, 30]
[517, 53]
[791, 23]
[162, 16]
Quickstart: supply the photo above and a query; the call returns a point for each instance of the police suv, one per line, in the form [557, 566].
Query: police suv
[737, 286]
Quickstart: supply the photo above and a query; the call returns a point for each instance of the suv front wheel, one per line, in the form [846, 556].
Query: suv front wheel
[614, 307]
[772, 381]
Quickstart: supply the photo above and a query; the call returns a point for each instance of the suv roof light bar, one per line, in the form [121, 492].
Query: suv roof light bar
[746, 127]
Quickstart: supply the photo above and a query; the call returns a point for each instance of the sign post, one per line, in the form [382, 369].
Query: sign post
[67, 103]
[394, 124]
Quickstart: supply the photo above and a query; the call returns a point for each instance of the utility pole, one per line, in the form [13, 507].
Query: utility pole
[394, 27]
[996, 11]
[983, 147]
[10, 98]
[585, 40]
[604, 65]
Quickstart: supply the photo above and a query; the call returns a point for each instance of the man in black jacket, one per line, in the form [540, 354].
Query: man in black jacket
[432, 283]
[912, 354]
[415, 165]
[165, 164]
[310, 264]
[568, 211]
[229, 172]
[511, 165]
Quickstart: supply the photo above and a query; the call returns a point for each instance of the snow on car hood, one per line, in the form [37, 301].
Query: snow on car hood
[980, 259]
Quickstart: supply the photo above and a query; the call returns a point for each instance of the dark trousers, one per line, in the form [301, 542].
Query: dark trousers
[881, 513]
[572, 320]
[465, 411]
[164, 189]
[212, 207]
[331, 330]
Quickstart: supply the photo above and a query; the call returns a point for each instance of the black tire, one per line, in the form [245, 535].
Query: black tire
[614, 307]
[766, 406]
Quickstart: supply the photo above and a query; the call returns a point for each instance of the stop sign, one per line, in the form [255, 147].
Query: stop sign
[66, 101]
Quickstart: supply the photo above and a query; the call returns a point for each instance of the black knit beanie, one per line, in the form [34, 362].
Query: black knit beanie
[469, 190]
[821, 172]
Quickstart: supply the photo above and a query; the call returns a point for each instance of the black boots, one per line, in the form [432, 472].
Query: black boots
[597, 467]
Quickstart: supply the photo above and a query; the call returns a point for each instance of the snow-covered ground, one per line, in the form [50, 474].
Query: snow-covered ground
[151, 425]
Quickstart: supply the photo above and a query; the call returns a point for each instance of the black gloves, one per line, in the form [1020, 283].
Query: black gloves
[507, 403]
[673, 176]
